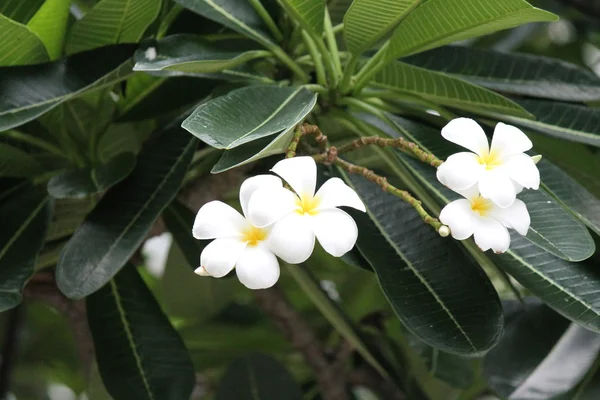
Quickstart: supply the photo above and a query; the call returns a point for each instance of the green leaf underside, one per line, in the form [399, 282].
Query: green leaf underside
[25, 218]
[125, 214]
[516, 73]
[30, 91]
[192, 54]
[444, 89]
[257, 377]
[16, 163]
[19, 45]
[50, 24]
[310, 14]
[435, 289]
[139, 354]
[439, 22]
[248, 114]
[367, 21]
[90, 181]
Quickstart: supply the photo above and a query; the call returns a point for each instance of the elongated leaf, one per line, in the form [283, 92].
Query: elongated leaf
[439, 22]
[29, 91]
[15, 10]
[439, 293]
[444, 89]
[310, 14]
[50, 25]
[192, 54]
[257, 377]
[19, 45]
[25, 218]
[234, 14]
[524, 74]
[68, 215]
[112, 22]
[248, 114]
[16, 163]
[114, 230]
[367, 21]
[140, 355]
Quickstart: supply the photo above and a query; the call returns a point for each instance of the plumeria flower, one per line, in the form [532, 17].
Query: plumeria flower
[299, 217]
[237, 242]
[486, 221]
[499, 171]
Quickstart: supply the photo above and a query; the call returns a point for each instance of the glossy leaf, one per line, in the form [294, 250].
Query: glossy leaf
[257, 377]
[367, 21]
[80, 183]
[248, 114]
[50, 25]
[140, 355]
[516, 73]
[112, 22]
[16, 163]
[119, 223]
[19, 45]
[309, 14]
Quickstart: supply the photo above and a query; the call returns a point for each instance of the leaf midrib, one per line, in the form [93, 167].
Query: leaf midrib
[22, 228]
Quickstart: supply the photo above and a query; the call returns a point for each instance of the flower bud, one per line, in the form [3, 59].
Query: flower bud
[444, 231]
[201, 271]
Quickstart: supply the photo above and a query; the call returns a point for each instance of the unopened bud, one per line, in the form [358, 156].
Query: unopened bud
[536, 159]
[150, 53]
[201, 271]
[444, 231]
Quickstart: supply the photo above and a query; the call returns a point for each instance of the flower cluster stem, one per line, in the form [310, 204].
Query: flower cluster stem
[399, 143]
[291, 150]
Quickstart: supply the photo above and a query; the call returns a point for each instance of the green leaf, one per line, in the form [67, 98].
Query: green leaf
[257, 377]
[439, 22]
[19, 44]
[112, 22]
[444, 89]
[248, 114]
[367, 21]
[140, 355]
[50, 25]
[309, 14]
[30, 91]
[14, 9]
[115, 229]
[234, 14]
[439, 293]
[86, 182]
[25, 217]
[193, 54]
[516, 73]
[68, 215]
[16, 163]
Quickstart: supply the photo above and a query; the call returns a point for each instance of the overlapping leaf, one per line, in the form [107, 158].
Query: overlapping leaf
[19, 45]
[17, 163]
[14, 9]
[50, 25]
[310, 14]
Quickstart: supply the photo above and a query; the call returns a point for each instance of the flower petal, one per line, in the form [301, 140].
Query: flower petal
[268, 205]
[467, 133]
[460, 171]
[217, 220]
[220, 256]
[521, 169]
[300, 173]
[335, 193]
[470, 193]
[257, 267]
[292, 238]
[509, 140]
[458, 215]
[515, 217]
[497, 186]
[251, 185]
[491, 234]
[335, 230]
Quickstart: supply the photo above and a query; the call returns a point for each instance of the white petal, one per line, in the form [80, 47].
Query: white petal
[521, 169]
[257, 267]
[292, 238]
[251, 185]
[268, 205]
[491, 234]
[470, 193]
[467, 133]
[335, 193]
[201, 271]
[300, 173]
[518, 188]
[515, 217]
[216, 220]
[458, 215]
[509, 140]
[497, 186]
[335, 230]
[460, 171]
[220, 256]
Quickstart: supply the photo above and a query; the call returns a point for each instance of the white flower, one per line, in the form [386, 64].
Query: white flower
[298, 217]
[488, 223]
[500, 171]
[237, 242]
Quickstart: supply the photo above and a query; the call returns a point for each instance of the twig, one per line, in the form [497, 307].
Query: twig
[9, 349]
[314, 130]
[291, 150]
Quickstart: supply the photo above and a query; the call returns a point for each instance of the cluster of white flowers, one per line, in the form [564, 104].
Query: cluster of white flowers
[277, 222]
[489, 178]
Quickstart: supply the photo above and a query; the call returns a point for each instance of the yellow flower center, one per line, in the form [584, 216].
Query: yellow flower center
[307, 205]
[490, 160]
[481, 206]
[253, 236]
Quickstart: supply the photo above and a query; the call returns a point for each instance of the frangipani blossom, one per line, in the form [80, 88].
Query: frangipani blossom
[498, 171]
[488, 223]
[298, 217]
